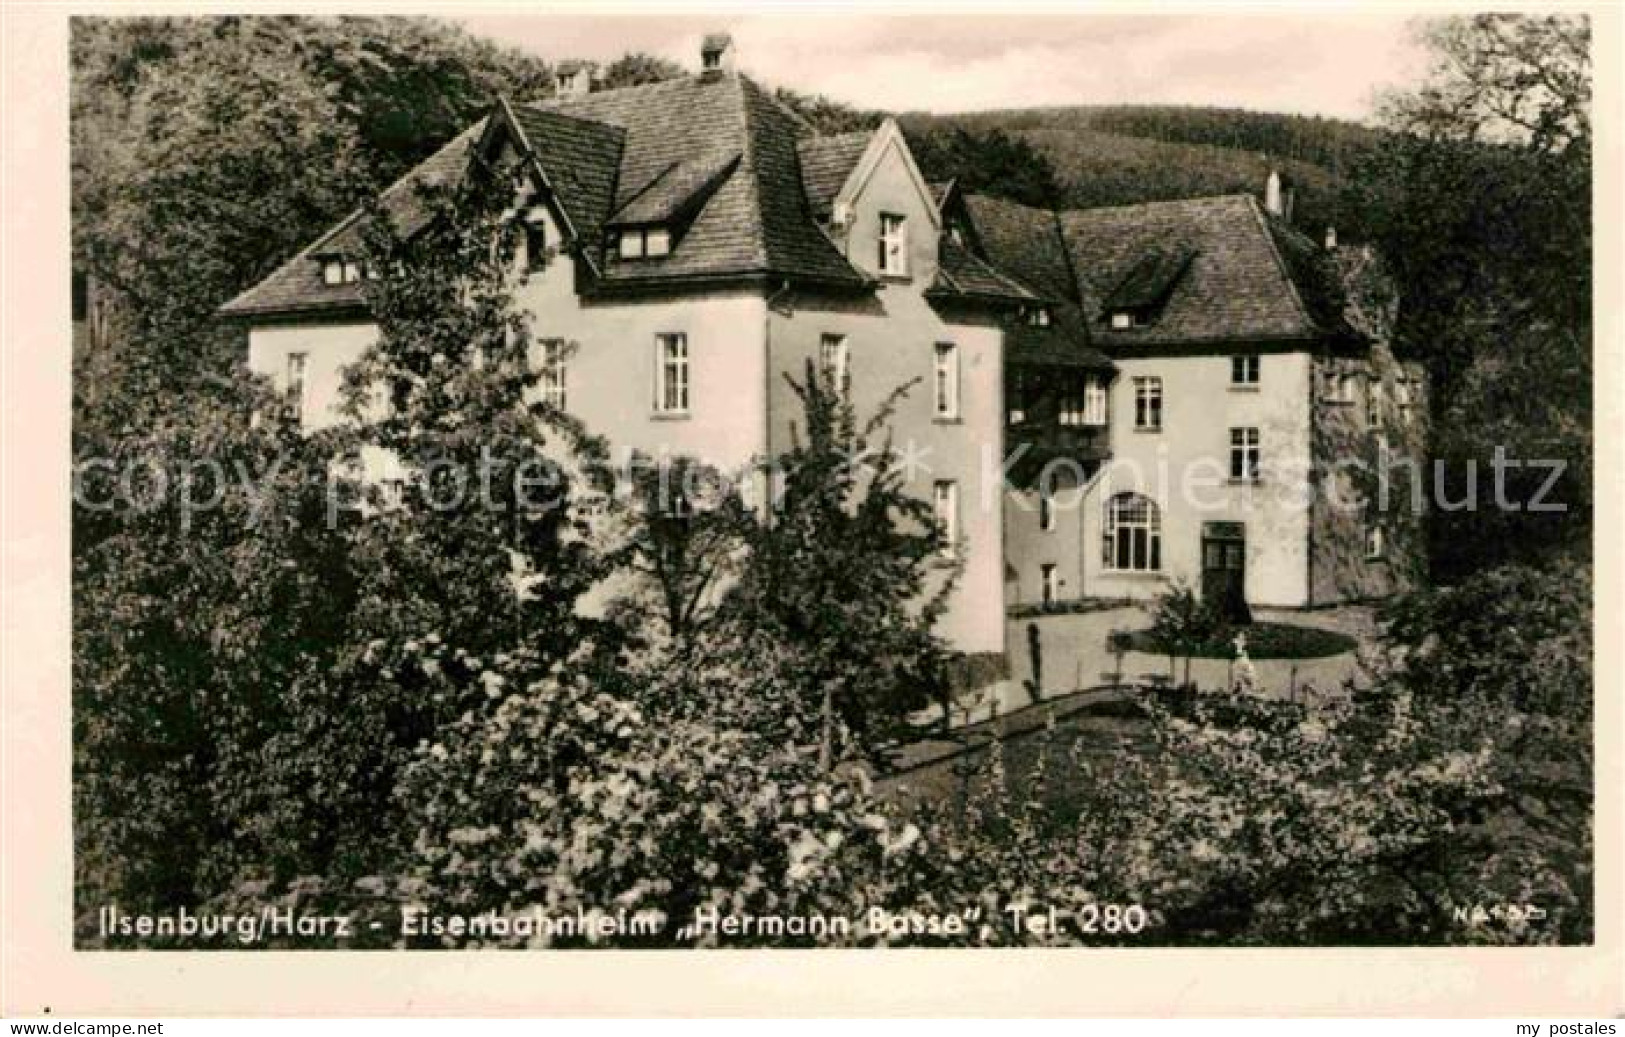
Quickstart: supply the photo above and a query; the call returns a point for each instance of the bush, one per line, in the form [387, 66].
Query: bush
[557, 793]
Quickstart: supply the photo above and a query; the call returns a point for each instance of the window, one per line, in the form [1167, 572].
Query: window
[1122, 319]
[1402, 393]
[293, 384]
[1340, 387]
[645, 243]
[1046, 508]
[1082, 402]
[945, 507]
[1375, 543]
[1148, 403]
[893, 245]
[1133, 534]
[535, 246]
[1244, 369]
[1244, 454]
[834, 359]
[551, 376]
[1094, 402]
[1069, 411]
[340, 271]
[1037, 316]
[945, 381]
[1373, 405]
[1050, 583]
[671, 374]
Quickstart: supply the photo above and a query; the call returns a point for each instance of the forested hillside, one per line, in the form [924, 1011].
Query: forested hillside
[1118, 155]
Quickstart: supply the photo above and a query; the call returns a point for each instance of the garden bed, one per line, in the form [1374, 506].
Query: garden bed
[1264, 641]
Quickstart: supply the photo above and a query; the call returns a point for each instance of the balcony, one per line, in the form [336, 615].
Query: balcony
[1047, 440]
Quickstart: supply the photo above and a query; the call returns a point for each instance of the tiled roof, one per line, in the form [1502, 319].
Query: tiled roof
[960, 272]
[826, 162]
[755, 221]
[739, 178]
[581, 159]
[676, 191]
[1027, 244]
[1238, 284]
[1150, 279]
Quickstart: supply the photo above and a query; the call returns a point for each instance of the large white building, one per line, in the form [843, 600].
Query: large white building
[1206, 397]
[696, 242]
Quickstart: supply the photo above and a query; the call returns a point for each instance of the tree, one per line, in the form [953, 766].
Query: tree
[1480, 201]
[207, 151]
[992, 162]
[636, 68]
[845, 579]
[1503, 78]
[827, 116]
[448, 391]
[211, 592]
[240, 662]
[682, 540]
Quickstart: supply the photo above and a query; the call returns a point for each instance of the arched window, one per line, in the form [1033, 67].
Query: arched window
[1133, 534]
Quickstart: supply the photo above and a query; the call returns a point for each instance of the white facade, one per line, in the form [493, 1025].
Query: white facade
[1184, 468]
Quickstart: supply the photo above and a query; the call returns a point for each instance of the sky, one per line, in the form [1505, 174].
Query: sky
[1330, 62]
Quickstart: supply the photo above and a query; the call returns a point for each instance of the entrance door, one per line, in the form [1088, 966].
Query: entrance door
[1224, 568]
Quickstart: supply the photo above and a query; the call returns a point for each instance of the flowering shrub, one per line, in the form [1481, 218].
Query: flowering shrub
[561, 796]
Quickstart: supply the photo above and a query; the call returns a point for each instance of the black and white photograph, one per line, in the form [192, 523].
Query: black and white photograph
[812, 479]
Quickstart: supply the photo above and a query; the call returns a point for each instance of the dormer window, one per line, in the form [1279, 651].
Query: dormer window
[1123, 319]
[893, 259]
[340, 271]
[645, 243]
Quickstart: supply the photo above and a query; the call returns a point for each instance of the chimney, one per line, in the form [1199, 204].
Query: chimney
[573, 79]
[717, 55]
[1331, 238]
[1272, 194]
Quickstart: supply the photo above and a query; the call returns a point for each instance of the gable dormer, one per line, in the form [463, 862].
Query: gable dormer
[885, 216]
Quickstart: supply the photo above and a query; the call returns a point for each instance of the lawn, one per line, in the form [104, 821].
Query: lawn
[1264, 641]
